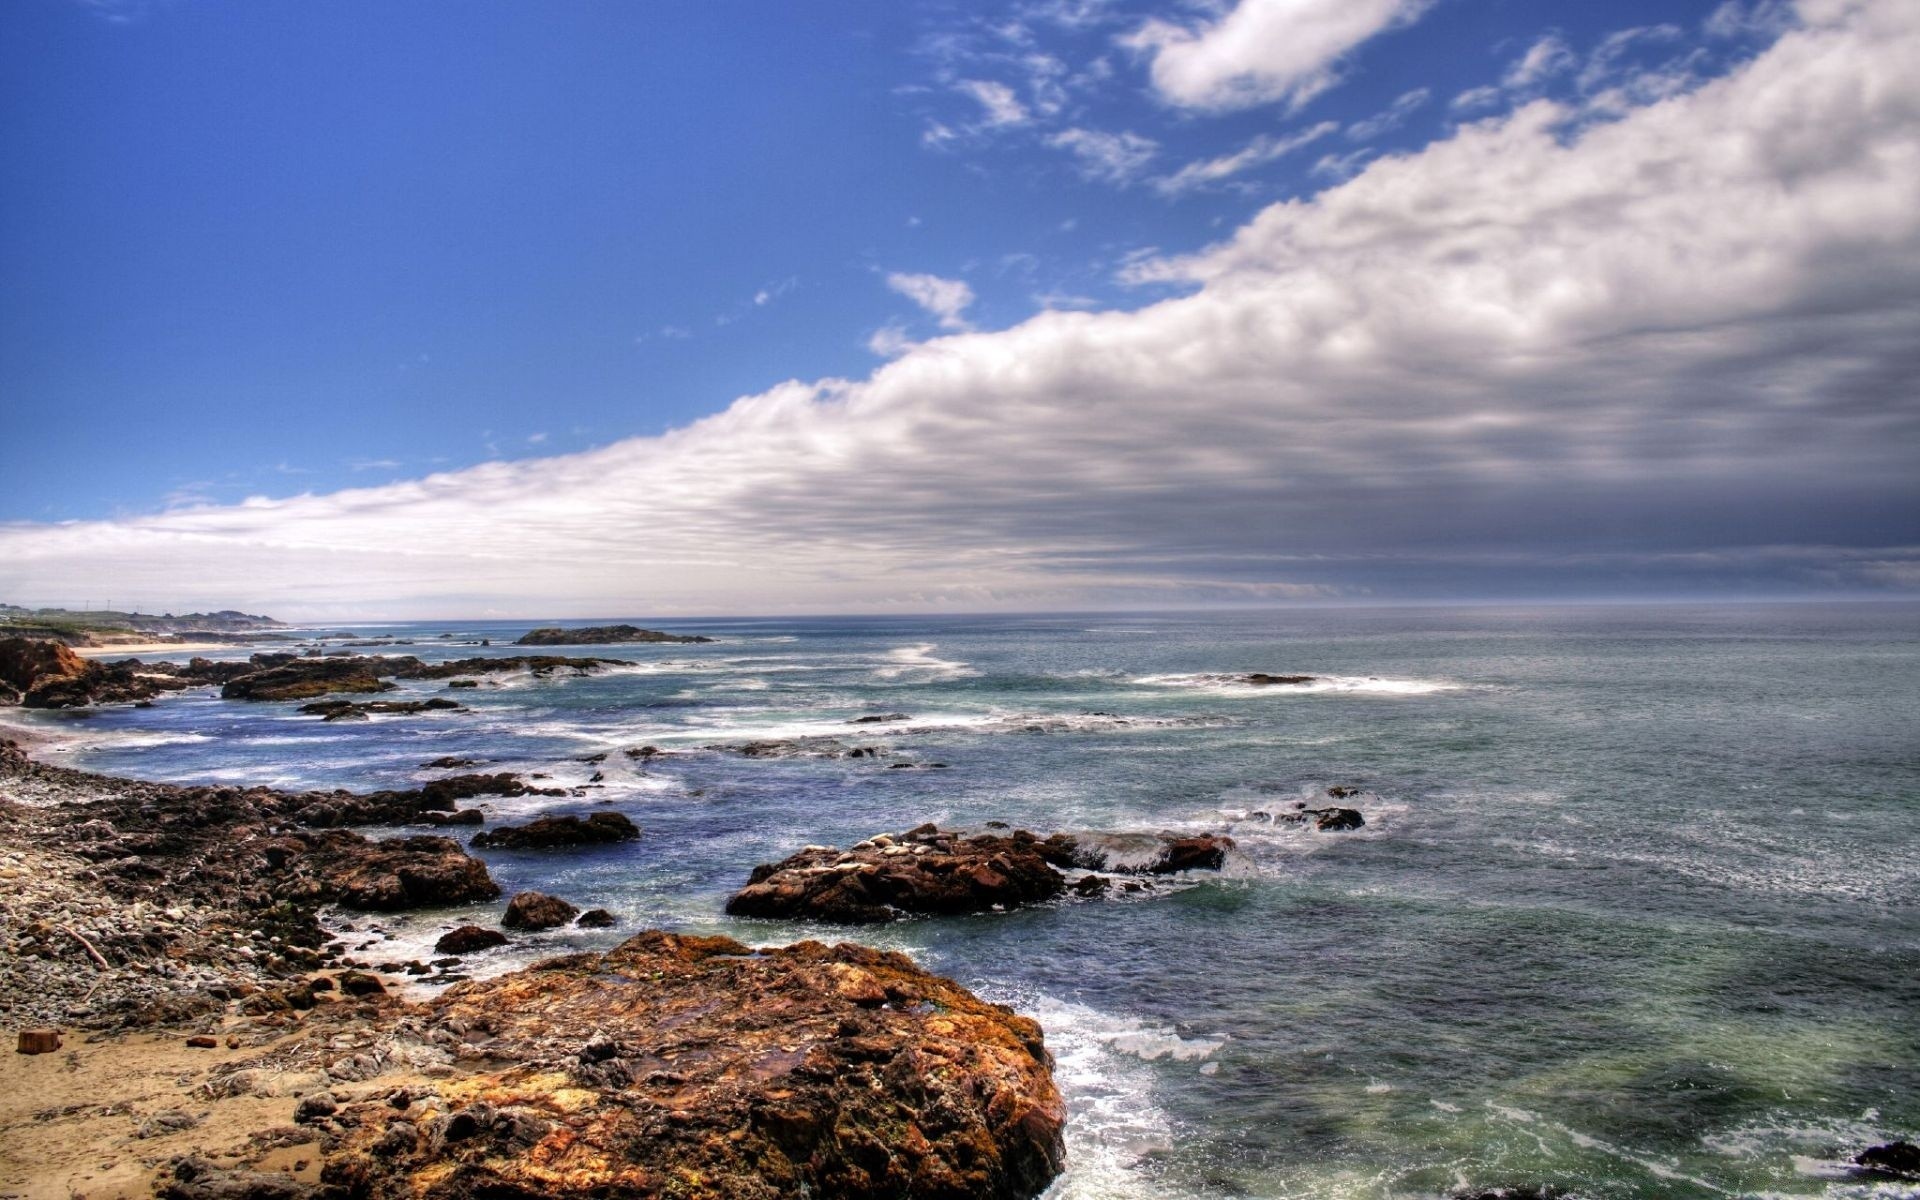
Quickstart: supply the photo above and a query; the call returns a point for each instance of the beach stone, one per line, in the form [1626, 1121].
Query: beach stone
[536, 911]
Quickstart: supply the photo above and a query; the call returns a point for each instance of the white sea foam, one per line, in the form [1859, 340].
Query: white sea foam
[1105, 1066]
[1236, 685]
[919, 661]
[138, 740]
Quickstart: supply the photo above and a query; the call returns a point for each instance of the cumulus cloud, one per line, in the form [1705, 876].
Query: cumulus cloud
[1669, 352]
[945, 299]
[1391, 117]
[1263, 50]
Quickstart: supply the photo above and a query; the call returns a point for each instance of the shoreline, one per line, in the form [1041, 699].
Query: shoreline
[212, 1045]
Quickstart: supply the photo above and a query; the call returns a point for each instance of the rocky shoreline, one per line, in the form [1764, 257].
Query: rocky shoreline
[177, 928]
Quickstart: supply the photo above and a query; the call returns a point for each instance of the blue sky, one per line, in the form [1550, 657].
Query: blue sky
[259, 251]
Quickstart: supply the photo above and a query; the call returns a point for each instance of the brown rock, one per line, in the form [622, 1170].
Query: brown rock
[921, 872]
[38, 1041]
[544, 833]
[537, 910]
[699, 1069]
[468, 939]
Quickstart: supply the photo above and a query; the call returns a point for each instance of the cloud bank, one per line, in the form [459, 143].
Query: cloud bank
[1672, 351]
[1264, 50]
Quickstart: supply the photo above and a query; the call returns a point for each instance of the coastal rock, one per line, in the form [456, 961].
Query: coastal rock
[1326, 820]
[26, 662]
[469, 939]
[344, 710]
[924, 871]
[1894, 1160]
[601, 635]
[659, 1068]
[397, 874]
[305, 678]
[597, 918]
[434, 802]
[1205, 853]
[1262, 679]
[547, 832]
[536, 911]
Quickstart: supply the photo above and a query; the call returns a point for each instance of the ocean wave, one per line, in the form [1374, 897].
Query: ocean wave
[1238, 685]
[1105, 1065]
[919, 660]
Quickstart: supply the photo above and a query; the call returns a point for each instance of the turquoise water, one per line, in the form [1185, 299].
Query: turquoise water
[1636, 911]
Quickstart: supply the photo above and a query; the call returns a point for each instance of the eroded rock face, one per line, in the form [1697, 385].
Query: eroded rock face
[601, 635]
[305, 678]
[28, 665]
[546, 833]
[697, 1068]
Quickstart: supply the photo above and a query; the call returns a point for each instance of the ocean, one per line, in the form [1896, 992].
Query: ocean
[1635, 911]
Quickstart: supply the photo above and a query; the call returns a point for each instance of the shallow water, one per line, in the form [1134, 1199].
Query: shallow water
[1636, 911]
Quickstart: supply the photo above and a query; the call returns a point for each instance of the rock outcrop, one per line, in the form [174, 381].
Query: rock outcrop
[601, 635]
[700, 1069]
[932, 872]
[544, 833]
[1894, 1160]
[348, 710]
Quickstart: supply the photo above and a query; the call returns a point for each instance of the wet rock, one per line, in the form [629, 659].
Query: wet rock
[601, 828]
[1335, 820]
[1894, 1160]
[340, 710]
[399, 873]
[597, 918]
[875, 1080]
[536, 911]
[469, 939]
[1261, 679]
[359, 983]
[306, 678]
[1205, 853]
[923, 871]
[880, 719]
[448, 763]
[601, 635]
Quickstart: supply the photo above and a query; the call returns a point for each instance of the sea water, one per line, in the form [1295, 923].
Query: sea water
[1634, 911]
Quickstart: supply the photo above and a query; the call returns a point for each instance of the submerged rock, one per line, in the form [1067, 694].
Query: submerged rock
[1262, 679]
[698, 1068]
[1894, 1160]
[601, 828]
[601, 635]
[346, 710]
[536, 911]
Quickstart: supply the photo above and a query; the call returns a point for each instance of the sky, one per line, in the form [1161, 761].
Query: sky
[393, 309]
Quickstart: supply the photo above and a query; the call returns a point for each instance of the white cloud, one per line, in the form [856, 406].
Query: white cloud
[1258, 152]
[1544, 59]
[946, 299]
[1116, 158]
[890, 341]
[1761, 18]
[1390, 118]
[998, 101]
[1263, 50]
[1679, 346]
